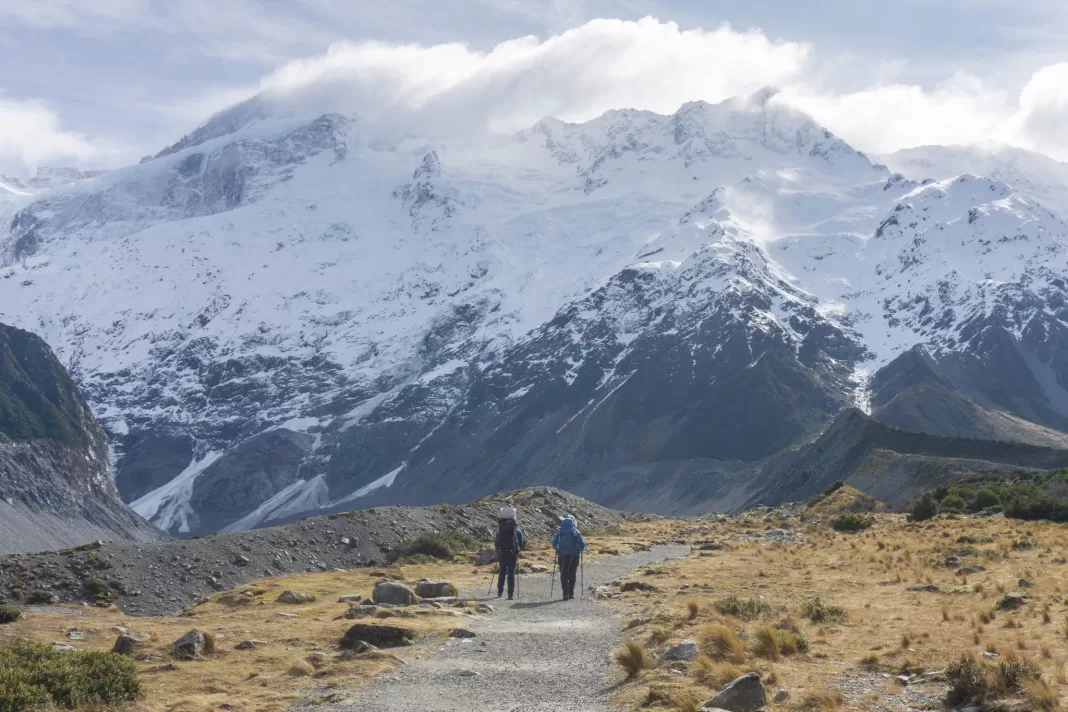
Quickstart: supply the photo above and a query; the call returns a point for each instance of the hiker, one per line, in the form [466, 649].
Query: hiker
[510, 540]
[569, 546]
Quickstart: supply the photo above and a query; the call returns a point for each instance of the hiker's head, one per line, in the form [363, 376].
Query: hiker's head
[507, 512]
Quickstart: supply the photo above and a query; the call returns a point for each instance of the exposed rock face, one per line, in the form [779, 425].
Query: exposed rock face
[55, 480]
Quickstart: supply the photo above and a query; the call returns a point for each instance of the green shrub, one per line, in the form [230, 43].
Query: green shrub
[986, 498]
[32, 675]
[851, 522]
[819, 612]
[435, 546]
[924, 508]
[1024, 544]
[1012, 674]
[9, 614]
[746, 610]
[953, 504]
[966, 679]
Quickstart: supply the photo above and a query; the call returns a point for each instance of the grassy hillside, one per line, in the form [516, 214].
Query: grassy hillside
[38, 399]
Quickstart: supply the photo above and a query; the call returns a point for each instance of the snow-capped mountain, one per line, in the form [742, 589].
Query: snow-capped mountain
[275, 315]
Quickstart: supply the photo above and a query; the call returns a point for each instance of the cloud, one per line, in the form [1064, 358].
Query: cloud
[884, 118]
[30, 134]
[575, 75]
[1041, 123]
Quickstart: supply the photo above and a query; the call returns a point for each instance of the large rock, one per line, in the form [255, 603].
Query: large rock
[380, 636]
[744, 694]
[685, 650]
[295, 598]
[128, 643]
[434, 589]
[360, 612]
[393, 593]
[1012, 601]
[191, 645]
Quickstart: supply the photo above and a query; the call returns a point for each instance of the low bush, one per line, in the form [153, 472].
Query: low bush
[9, 614]
[722, 643]
[923, 508]
[36, 675]
[435, 546]
[744, 609]
[851, 522]
[819, 612]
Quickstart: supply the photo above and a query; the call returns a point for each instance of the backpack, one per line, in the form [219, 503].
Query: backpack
[507, 539]
[567, 544]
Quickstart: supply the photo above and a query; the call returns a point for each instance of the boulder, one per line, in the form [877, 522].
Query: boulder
[953, 562]
[381, 636]
[434, 589]
[393, 593]
[686, 650]
[190, 645]
[485, 557]
[743, 694]
[1012, 601]
[637, 586]
[295, 598]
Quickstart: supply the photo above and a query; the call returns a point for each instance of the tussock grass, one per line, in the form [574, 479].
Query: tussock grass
[633, 658]
[714, 673]
[721, 643]
[747, 610]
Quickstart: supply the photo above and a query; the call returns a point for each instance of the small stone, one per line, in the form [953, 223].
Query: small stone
[924, 588]
[249, 644]
[637, 622]
[349, 598]
[685, 650]
[461, 633]
[538, 569]
[953, 562]
[903, 680]
[969, 570]
[383, 636]
[288, 615]
[1024, 583]
[295, 598]
[57, 645]
[780, 697]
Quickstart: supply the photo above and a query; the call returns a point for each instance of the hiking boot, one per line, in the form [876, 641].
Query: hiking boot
[509, 597]
[500, 593]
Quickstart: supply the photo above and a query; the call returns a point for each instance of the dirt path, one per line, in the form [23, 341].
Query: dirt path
[530, 655]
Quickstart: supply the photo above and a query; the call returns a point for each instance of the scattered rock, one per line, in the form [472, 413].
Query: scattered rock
[744, 694]
[969, 570]
[394, 593]
[1024, 583]
[538, 569]
[953, 562]
[361, 646]
[1012, 601]
[924, 588]
[637, 622]
[780, 697]
[355, 612]
[435, 589]
[486, 557]
[57, 645]
[382, 636]
[637, 586]
[350, 598]
[461, 633]
[190, 645]
[288, 615]
[484, 609]
[686, 650]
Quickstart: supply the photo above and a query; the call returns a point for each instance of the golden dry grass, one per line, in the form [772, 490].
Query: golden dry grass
[886, 628]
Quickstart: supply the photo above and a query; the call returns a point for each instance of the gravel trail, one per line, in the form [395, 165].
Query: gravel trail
[531, 655]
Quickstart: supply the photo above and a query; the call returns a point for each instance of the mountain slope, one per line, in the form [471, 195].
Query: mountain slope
[55, 481]
[281, 314]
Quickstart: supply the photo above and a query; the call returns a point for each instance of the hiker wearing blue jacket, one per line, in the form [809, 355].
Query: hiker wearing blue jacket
[569, 546]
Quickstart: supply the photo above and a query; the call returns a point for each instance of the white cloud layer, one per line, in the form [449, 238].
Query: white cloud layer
[30, 135]
[648, 64]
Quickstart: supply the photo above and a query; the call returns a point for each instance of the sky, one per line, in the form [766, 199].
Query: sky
[100, 84]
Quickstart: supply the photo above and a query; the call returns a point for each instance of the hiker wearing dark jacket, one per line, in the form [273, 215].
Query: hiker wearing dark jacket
[510, 540]
[569, 546]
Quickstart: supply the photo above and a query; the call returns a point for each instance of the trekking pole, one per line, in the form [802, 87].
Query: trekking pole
[582, 568]
[493, 575]
[552, 580]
